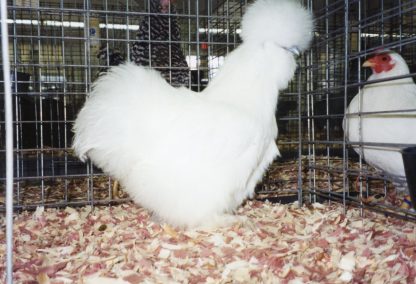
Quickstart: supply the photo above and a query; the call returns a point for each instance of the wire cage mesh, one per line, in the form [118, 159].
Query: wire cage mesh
[57, 53]
[311, 113]
[348, 32]
[56, 50]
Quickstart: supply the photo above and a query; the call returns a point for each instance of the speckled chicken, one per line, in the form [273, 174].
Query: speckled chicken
[115, 57]
[158, 43]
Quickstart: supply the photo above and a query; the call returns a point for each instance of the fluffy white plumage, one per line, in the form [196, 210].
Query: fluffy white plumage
[192, 158]
[394, 127]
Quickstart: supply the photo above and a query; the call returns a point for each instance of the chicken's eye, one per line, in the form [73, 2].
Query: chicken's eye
[384, 58]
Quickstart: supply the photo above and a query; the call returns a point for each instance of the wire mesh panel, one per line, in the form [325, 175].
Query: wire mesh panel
[347, 33]
[59, 48]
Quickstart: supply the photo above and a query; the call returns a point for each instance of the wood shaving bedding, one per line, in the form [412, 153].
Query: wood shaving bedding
[329, 177]
[281, 179]
[58, 190]
[274, 244]
[328, 174]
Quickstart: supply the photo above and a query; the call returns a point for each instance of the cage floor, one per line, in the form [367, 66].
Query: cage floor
[280, 180]
[60, 192]
[274, 244]
[326, 175]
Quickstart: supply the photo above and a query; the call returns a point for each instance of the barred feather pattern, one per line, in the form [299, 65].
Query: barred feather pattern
[159, 35]
[115, 57]
[109, 57]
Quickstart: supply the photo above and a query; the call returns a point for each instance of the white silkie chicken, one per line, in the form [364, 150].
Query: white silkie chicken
[193, 158]
[392, 127]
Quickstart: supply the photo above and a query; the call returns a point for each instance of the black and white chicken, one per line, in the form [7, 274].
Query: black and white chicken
[158, 43]
[193, 158]
[115, 57]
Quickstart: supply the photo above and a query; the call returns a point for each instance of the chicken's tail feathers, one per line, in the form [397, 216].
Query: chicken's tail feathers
[79, 145]
[81, 154]
[284, 22]
[129, 79]
[117, 97]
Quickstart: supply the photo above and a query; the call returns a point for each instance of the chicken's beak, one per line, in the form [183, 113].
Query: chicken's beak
[369, 63]
[294, 50]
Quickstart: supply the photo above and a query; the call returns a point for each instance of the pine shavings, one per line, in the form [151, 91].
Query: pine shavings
[275, 243]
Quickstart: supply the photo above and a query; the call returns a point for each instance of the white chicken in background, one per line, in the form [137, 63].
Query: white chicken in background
[391, 127]
[193, 158]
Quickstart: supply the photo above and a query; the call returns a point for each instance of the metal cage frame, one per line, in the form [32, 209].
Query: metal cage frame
[53, 64]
